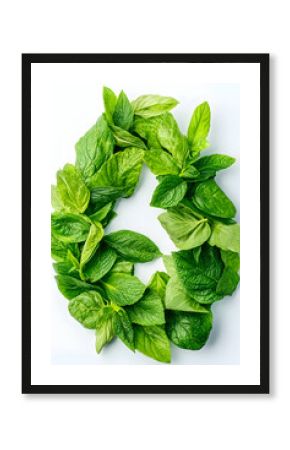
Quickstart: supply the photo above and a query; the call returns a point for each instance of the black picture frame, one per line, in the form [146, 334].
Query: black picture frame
[27, 60]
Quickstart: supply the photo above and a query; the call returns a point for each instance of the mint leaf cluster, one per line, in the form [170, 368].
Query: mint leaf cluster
[95, 270]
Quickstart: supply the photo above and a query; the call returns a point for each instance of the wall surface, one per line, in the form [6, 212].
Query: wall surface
[170, 422]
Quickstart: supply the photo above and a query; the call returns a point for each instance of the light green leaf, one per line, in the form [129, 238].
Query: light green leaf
[226, 237]
[123, 114]
[132, 246]
[148, 129]
[104, 327]
[177, 299]
[101, 213]
[100, 264]
[59, 249]
[122, 266]
[93, 149]
[68, 227]
[71, 192]
[153, 105]
[188, 330]
[148, 310]
[158, 284]
[94, 237]
[190, 172]
[122, 170]
[85, 307]
[123, 328]
[122, 288]
[110, 100]
[209, 197]
[153, 342]
[160, 162]
[169, 192]
[171, 138]
[199, 127]
[184, 228]
[125, 139]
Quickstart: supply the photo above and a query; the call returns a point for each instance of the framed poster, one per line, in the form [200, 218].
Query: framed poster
[146, 265]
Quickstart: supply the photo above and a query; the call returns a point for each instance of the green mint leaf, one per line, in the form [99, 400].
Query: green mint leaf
[188, 330]
[123, 328]
[125, 139]
[147, 129]
[214, 163]
[158, 284]
[122, 170]
[123, 114]
[59, 249]
[169, 192]
[231, 259]
[95, 235]
[176, 298]
[160, 162]
[190, 172]
[102, 195]
[209, 197]
[123, 289]
[172, 140]
[184, 228]
[110, 100]
[93, 149]
[71, 193]
[226, 237]
[152, 105]
[100, 264]
[148, 310]
[70, 286]
[153, 342]
[68, 227]
[104, 327]
[132, 246]
[228, 282]
[102, 213]
[85, 307]
[199, 128]
[122, 266]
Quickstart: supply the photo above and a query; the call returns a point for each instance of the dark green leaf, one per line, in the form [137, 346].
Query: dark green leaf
[85, 307]
[70, 286]
[209, 197]
[69, 227]
[231, 259]
[100, 264]
[123, 328]
[102, 195]
[228, 282]
[132, 246]
[188, 330]
[152, 342]
[123, 113]
[122, 288]
[190, 172]
[169, 192]
[101, 213]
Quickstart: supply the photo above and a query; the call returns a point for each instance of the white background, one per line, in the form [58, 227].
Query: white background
[67, 99]
[156, 421]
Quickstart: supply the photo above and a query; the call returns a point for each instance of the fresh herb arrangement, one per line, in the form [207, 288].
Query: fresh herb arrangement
[95, 270]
